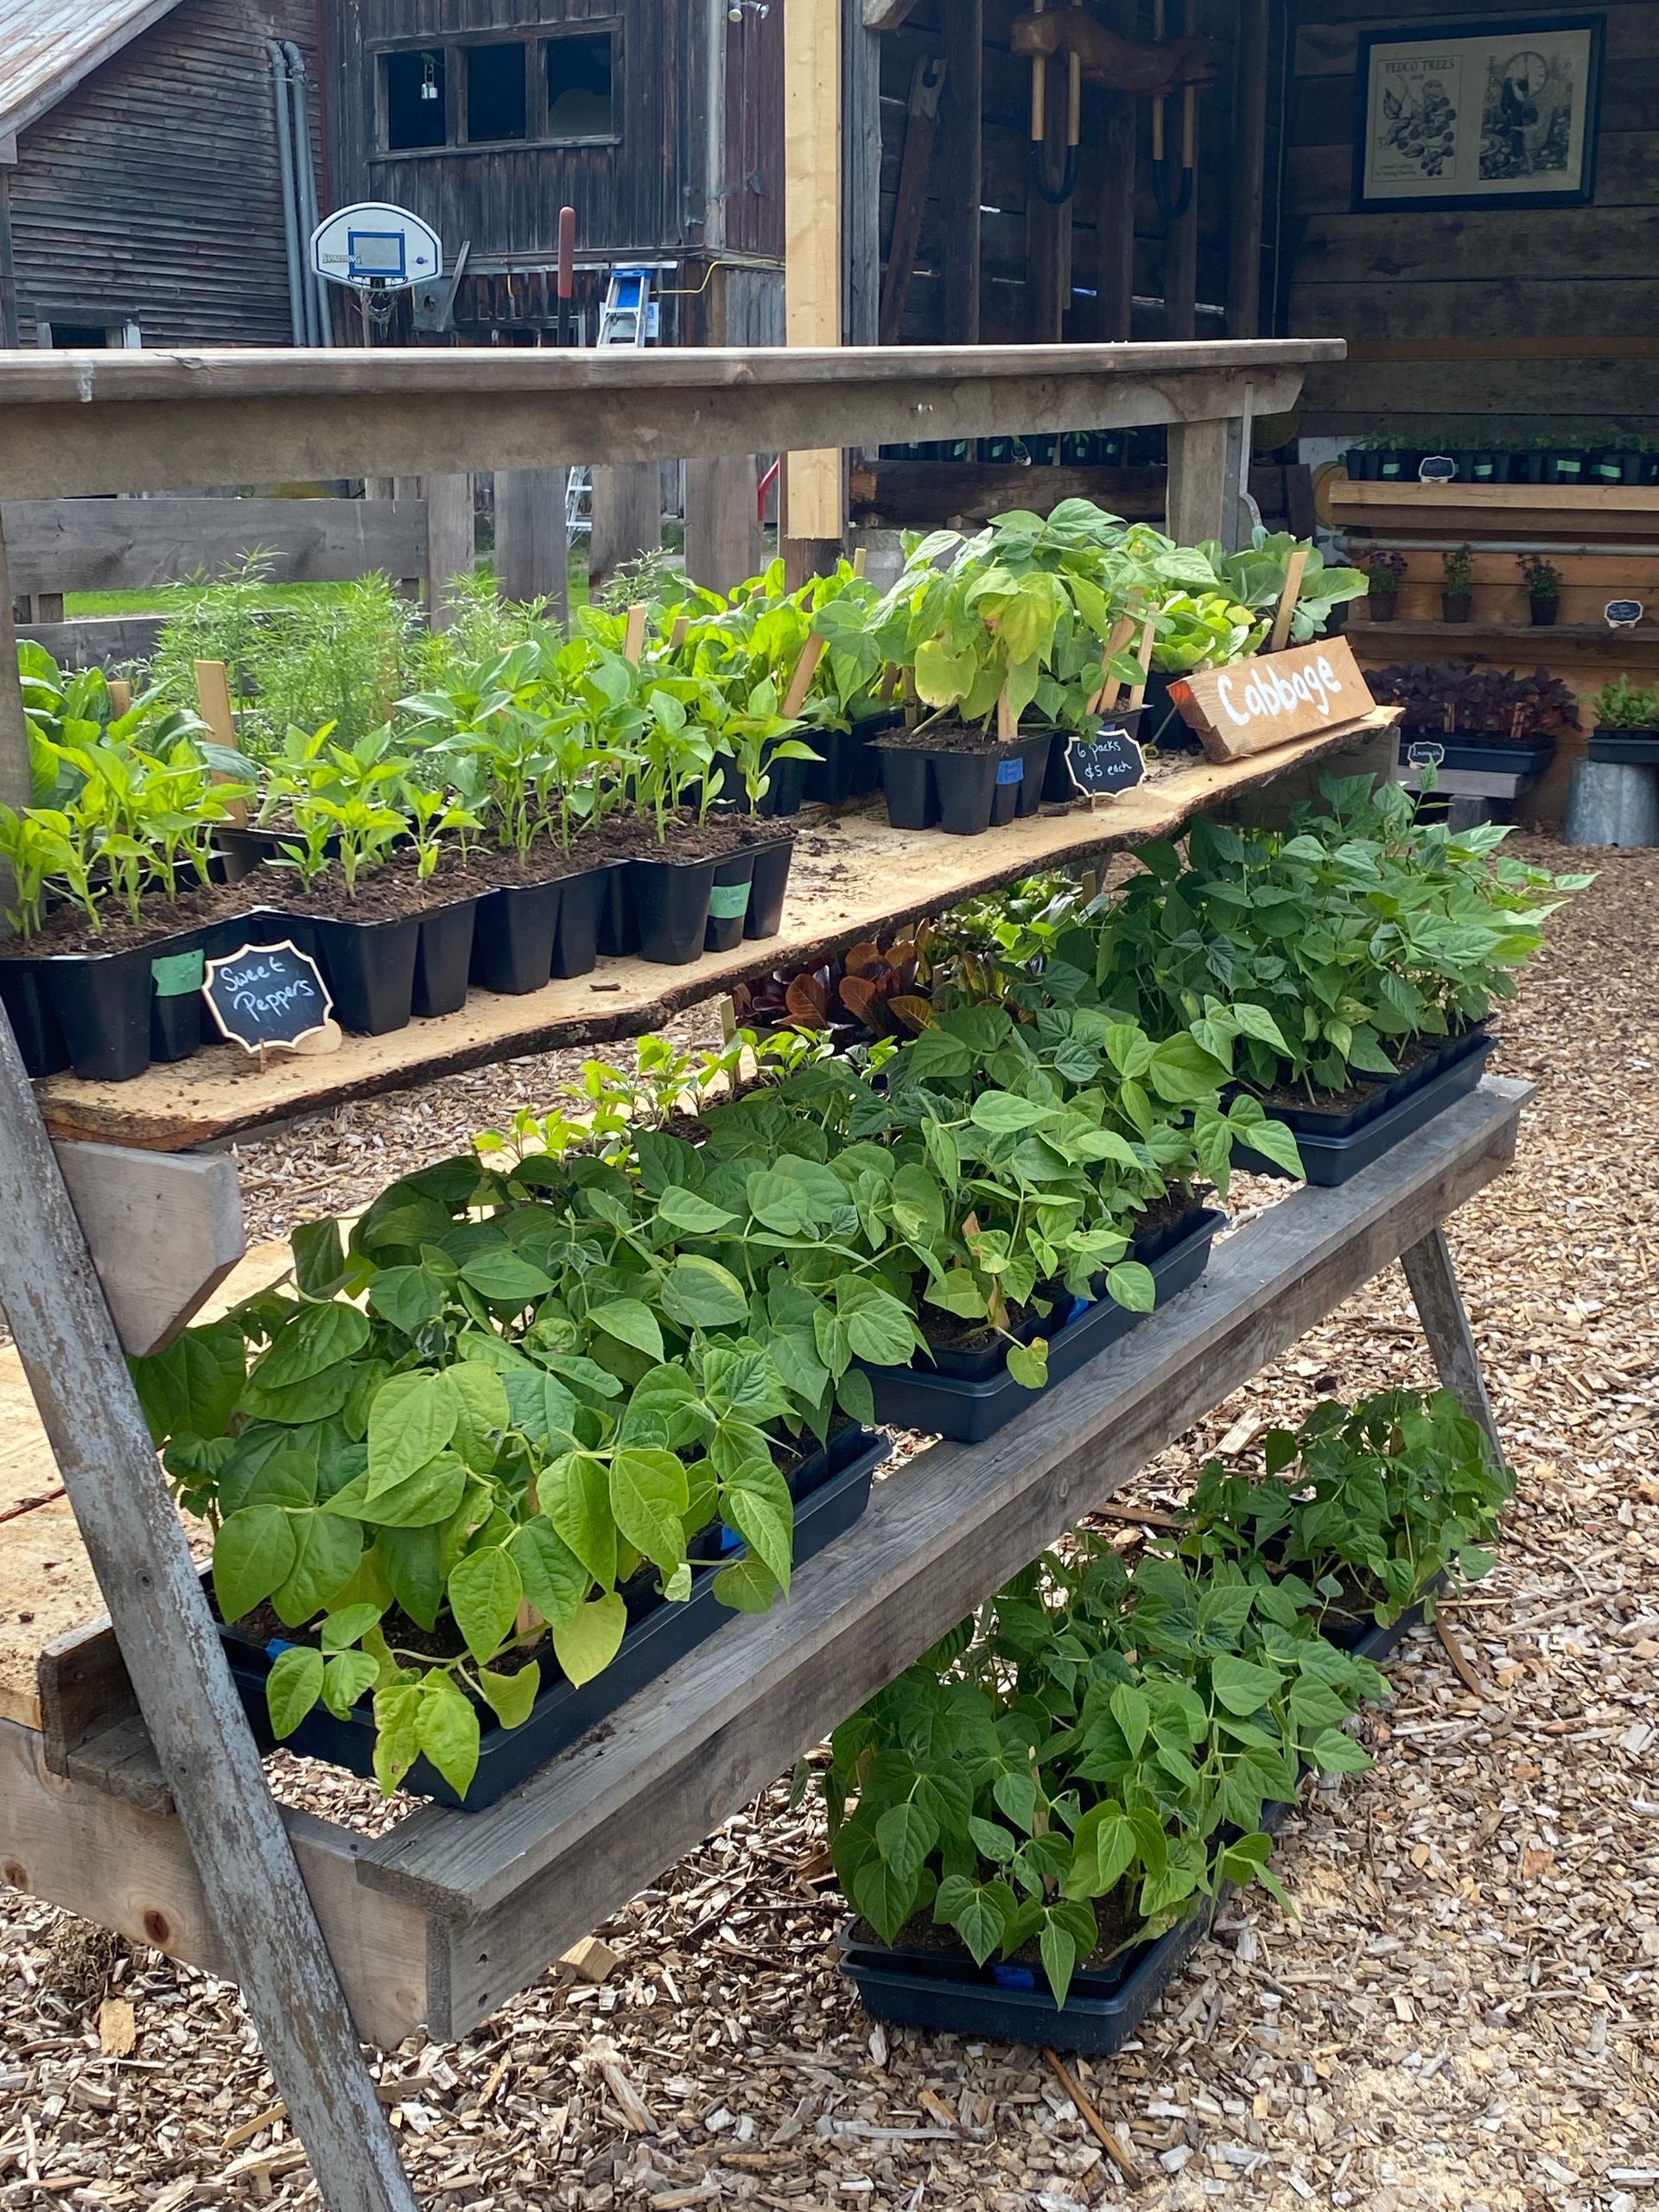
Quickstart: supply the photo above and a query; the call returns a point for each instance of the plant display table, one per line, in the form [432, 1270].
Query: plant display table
[141, 1800]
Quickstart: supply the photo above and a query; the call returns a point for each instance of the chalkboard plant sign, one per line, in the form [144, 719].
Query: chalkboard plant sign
[1108, 760]
[267, 996]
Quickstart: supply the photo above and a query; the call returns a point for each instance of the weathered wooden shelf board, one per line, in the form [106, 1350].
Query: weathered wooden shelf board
[1513, 641]
[1501, 510]
[853, 877]
[502, 1892]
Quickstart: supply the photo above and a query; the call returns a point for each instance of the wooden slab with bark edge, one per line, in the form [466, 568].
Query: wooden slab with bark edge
[1256, 706]
[853, 877]
[505, 1892]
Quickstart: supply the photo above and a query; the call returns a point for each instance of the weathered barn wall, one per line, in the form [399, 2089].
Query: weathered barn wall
[1484, 326]
[151, 191]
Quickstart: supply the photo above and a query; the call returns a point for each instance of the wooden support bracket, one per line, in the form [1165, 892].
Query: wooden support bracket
[164, 1229]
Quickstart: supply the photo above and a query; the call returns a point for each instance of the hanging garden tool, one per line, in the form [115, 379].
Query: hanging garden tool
[1039, 121]
[1174, 200]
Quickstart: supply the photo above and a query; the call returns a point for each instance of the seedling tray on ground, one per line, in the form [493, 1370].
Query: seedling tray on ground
[833, 1491]
[970, 1410]
[946, 1992]
[1331, 1159]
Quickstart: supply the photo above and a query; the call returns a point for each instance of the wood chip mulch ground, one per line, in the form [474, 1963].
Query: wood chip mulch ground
[1462, 2016]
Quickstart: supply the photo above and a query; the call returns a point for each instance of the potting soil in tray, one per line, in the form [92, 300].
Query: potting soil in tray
[832, 1490]
[970, 1410]
[1011, 2002]
[1331, 1158]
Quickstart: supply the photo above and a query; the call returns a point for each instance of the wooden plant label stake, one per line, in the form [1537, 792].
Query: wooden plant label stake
[801, 683]
[633, 643]
[1106, 698]
[860, 562]
[1007, 726]
[676, 635]
[269, 995]
[1292, 593]
[213, 699]
[1272, 698]
[1138, 696]
[121, 697]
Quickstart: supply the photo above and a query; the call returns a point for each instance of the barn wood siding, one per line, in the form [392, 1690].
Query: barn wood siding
[639, 196]
[1571, 275]
[151, 191]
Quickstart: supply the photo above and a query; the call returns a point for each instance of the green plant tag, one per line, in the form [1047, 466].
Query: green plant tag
[728, 901]
[177, 974]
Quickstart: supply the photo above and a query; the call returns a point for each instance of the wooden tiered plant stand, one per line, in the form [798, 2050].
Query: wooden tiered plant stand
[139, 1800]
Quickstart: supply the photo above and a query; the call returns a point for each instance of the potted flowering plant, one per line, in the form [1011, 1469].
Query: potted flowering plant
[1457, 583]
[1383, 574]
[1543, 582]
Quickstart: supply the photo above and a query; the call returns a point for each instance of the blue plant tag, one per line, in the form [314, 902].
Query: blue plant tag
[1010, 772]
[1013, 1977]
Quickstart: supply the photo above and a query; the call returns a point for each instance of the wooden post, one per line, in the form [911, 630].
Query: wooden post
[1434, 1293]
[722, 529]
[71, 1358]
[627, 518]
[449, 544]
[815, 483]
[1115, 220]
[861, 182]
[16, 783]
[1181, 269]
[1248, 159]
[1200, 494]
[961, 166]
[532, 551]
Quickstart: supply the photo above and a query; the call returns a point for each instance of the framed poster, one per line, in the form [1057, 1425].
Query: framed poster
[1478, 115]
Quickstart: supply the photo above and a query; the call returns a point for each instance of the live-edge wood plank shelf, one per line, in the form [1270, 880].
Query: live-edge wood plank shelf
[500, 1893]
[854, 877]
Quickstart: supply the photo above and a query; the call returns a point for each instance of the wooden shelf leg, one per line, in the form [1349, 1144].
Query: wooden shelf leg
[73, 1362]
[1440, 1309]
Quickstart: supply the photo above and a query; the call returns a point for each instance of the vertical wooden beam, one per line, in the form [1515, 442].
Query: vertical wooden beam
[1434, 1293]
[532, 552]
[73, 1359]
[1048, 237]
[862, 178]
[449, 543]
[1181, 267]
[16, 785]
[627, 516]
[1114, 168]
[1249, 152]
[815, 491]
[1200, 495]
[722, 531]
[961, 167]
[8, 318]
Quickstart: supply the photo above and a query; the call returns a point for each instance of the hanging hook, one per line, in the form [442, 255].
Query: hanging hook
[1040, 123]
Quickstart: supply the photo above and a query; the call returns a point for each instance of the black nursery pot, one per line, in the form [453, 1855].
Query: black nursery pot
[178, 1018]
[729, 903]
[831, 1491]
[1542, 612]
[785, 787]
[28, 1004]
[619, 924]
[443, 958]
[1455, 606]
[849, 767]
[103, 1003]
[670, 902]
[966, 783]
[512, 940]
[907, 780]
[771, 881]
[369, 970]
[582, 906]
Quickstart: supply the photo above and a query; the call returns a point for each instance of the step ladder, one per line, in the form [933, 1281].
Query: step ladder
[628, 316]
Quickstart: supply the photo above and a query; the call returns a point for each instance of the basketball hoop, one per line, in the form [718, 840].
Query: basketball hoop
[379, 252]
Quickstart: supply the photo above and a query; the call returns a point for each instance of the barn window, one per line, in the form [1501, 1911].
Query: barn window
[580, 72]
[416, 105]
[497, 103]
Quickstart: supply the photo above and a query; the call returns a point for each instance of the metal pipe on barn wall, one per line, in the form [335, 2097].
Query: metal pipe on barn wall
[278, 57]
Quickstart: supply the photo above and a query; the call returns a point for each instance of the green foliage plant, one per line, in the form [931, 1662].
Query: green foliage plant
[1624, 705]
[1541, 578]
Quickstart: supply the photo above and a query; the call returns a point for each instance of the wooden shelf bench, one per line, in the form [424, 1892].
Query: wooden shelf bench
[853, 877]
[437, 1923]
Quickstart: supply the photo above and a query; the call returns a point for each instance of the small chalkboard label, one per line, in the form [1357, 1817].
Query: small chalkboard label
[1624, 614]
[267, 994]
[1108, 761]
[1437, 468]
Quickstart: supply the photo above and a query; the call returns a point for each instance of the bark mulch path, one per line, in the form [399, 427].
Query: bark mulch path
[1462, 2017]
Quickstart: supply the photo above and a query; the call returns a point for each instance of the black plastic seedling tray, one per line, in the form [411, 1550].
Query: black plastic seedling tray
[946, 1992]
[1631, 748]
[969, 1410]
[833, 1490]
[1332, 1159]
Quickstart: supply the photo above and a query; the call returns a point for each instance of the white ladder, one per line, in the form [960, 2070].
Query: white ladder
[625, 319]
